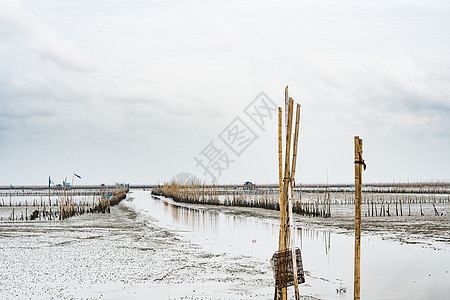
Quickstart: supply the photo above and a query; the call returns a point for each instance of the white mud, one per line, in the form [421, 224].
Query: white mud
[150, 248]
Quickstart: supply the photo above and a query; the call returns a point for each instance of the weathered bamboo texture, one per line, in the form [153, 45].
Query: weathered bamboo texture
[287, 174]
[358, 183]
[292, 183]
[280, 178]
[282, 239]
[286, 189]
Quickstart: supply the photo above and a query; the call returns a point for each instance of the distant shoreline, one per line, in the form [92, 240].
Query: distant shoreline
[318, 185]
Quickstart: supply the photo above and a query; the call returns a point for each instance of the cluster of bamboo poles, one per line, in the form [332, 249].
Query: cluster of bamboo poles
[315, 203]
[392, 198]
[382, 188]
[409, 188]
[233, 196]
[385, 208]
[318, 208]
[286, 176]
[65, 206]
[211, 194]
[189, 193]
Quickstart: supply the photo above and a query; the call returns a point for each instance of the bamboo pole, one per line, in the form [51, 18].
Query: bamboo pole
[49, 199]
[292, 184]
[287, 167]
[300, 198]
[294, 154]
[358, 181]
[280, 179]
[286, 106]
[286, 183]
[63, 200]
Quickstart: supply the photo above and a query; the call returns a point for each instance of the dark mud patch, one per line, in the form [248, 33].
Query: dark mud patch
[408, 229]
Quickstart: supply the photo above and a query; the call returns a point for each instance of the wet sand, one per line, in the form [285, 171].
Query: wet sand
[122, 255]
[151, 248]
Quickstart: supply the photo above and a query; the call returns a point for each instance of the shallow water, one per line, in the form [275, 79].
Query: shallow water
[389, 269]
[151, 248]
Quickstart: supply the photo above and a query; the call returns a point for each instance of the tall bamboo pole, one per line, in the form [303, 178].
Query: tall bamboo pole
[286, 182]
[287, 167]
[282, 238]
[296, 132]
[292, 181]
[280, 178]
[358, 181]
[286, 106]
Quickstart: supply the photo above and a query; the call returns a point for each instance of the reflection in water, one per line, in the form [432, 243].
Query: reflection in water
[204, 221]
[388, 269]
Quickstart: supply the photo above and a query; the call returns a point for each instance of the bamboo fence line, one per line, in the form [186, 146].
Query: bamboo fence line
[317, 202]
[55, 191]
[210, 194]
[65, 205]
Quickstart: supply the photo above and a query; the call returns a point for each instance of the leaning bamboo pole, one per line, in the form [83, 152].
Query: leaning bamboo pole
[294, 154]
[287, 168]
[292, 183]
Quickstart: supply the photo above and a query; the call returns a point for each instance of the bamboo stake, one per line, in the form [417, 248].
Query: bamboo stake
[358, 181]
[284, 232]
[292, 180]
[294, 154]
[287, 166]
[286, 182]
[49, 199]
[280, 178]
[300, 198]
[286, 107]
[63, 200]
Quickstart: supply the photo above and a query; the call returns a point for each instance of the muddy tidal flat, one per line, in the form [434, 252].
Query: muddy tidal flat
[152, 248]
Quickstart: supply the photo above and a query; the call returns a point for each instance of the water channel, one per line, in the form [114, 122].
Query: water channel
[389, 269]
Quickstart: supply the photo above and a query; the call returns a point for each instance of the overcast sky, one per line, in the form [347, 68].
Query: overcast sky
[134, 91]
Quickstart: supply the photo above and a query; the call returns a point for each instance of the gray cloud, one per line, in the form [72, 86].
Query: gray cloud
[153, 82]
[27, 32]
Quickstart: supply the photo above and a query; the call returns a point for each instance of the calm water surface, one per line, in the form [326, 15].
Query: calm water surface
[389, 269]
